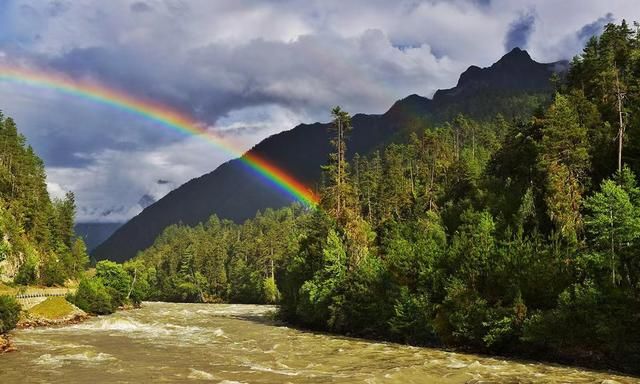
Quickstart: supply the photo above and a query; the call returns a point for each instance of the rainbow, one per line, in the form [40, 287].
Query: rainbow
[162, 115]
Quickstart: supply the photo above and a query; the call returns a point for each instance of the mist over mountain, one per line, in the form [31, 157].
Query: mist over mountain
[512, 86]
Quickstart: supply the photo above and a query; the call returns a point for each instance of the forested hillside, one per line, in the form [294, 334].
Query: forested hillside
[38, 243]
[511, 236]
[514, 86]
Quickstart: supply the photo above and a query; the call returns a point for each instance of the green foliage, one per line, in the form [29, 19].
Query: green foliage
[270, 289]
[27, 273]
[140, 287]
[93, 297]
[9, 313]
[316, 295]
[79, 257]
[36, 233]
[221, 261]
[412, 318]
[564, 159]
[613, 224]
[115, 279]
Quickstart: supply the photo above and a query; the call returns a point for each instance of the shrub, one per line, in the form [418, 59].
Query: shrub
[93, 297]
[27, 273]
[9, 313]
[115, 279]
[52, 272]
[411, 320]
[270, 289]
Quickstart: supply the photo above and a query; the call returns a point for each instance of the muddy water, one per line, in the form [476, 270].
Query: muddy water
[193, 343]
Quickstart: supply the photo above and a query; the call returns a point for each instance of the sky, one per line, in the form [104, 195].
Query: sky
[246, 69]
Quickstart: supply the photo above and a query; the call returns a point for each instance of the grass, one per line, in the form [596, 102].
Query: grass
[7, 290]
[52, 308]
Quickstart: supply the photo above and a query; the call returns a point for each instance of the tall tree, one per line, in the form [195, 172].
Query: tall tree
[613, 223]
[564, 157]
[336, 170]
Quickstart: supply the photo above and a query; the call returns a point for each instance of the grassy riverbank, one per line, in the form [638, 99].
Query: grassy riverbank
[52, 311]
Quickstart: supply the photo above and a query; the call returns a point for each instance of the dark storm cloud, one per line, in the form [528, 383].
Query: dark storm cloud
[574, 41]
[519, 32]
[594, 28]
[218, 78]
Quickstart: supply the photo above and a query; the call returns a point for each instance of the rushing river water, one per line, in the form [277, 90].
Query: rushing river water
[193, 343]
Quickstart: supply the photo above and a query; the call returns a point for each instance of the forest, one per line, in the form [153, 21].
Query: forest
[503, 236]
[38, 245]
[38, 242]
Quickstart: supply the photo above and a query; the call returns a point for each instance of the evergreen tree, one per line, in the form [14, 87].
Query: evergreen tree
[338, 190]
[613, 223]
[564, 157]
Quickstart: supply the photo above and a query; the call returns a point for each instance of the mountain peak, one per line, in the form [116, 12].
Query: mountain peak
[514, 72]
[515, 55]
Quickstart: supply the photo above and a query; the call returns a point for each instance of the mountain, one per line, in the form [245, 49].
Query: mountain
[513, 86]
[95, 233]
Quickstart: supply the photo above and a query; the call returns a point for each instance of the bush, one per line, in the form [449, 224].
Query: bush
[27, 273]
[411, 320]
[115, 279]
[93, 297]
[52, 272]
[271, 292]
[9, 313]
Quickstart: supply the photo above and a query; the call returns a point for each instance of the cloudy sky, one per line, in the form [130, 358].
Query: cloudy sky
[247, 69]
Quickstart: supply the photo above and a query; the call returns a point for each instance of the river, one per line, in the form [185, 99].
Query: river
[193, 343]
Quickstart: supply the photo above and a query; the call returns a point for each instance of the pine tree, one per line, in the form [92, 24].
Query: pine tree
[338, 189]
[613, 223]
[564, 157]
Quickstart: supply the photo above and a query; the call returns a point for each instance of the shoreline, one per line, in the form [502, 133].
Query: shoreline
[39, 322]
[575, 361]
[586, 365]
[27, 322]
[6, 344]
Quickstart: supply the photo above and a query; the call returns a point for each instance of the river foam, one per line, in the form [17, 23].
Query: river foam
[200, 375]
[57, 361]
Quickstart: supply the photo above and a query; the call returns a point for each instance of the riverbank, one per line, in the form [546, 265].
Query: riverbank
[51, 312]
[54, 312]
[6, 345]
[586, 360]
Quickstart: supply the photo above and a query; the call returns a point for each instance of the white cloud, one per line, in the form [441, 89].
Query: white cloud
[55, 190]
